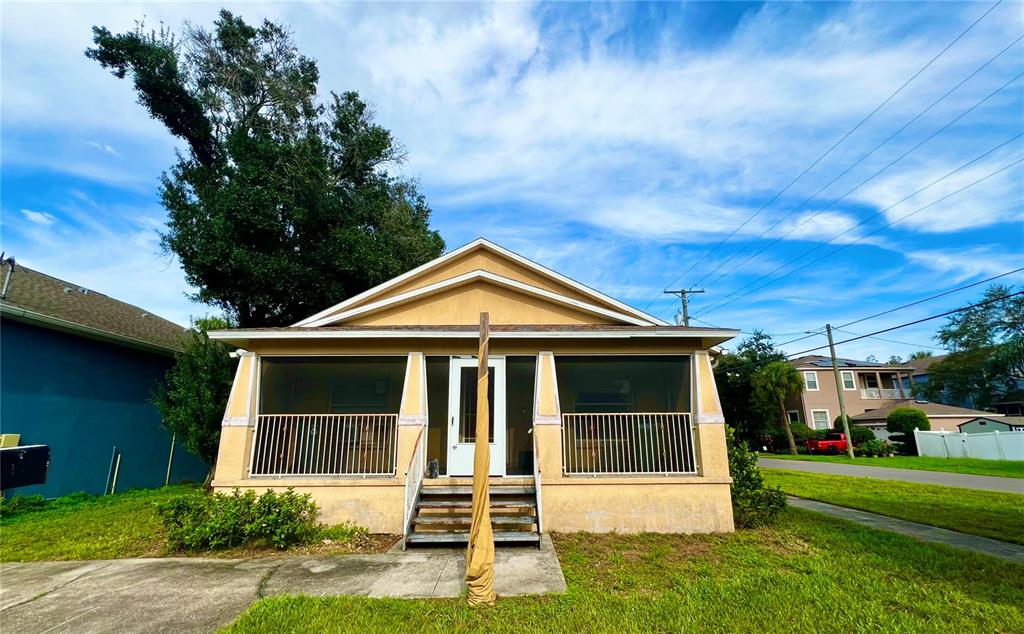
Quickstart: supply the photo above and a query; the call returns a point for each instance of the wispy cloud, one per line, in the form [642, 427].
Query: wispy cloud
[39, 217]
[104, 147]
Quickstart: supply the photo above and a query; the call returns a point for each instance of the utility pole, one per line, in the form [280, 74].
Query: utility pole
[682, 295]
[839, 391]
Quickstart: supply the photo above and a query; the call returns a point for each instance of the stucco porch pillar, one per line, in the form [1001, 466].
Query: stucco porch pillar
[239, 422]
[412, 415]
[547, 419]
[712, 456]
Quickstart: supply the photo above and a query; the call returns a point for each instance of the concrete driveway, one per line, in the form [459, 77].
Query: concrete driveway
[960, 480]
[201, 595]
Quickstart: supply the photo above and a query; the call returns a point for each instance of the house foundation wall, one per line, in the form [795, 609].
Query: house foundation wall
[633, 507]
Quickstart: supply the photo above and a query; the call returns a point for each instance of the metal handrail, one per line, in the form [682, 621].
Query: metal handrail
[628, 443]
[413, 481]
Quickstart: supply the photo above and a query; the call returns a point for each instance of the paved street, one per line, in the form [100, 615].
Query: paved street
[986, 483]
[201, 595]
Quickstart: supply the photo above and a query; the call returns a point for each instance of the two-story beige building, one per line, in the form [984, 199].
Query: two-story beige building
[603, 417]
[866, 386]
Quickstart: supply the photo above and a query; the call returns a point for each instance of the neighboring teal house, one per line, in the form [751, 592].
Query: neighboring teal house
[77, 372]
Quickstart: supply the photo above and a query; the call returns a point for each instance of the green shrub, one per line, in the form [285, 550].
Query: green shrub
[753, 504]
[858, 434]
[873, 448]
[901, 423]
[9, 507]
[219, 520]
[801, 433]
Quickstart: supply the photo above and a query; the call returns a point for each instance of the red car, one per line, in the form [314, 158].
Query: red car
[833, 444]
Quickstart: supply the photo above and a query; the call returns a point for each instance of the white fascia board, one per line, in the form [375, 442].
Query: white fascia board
[385, 333]
[647, 319]
[467, 278]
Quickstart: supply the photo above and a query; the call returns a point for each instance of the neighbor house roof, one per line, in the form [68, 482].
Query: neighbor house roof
[819, 361]
[1012, 421]
[921, 366]
[43, 300]
[931, 410]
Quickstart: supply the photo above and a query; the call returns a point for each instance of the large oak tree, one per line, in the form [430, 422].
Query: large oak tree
[280, 203]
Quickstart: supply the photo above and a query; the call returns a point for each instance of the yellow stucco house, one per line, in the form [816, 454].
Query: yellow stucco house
[604, 418]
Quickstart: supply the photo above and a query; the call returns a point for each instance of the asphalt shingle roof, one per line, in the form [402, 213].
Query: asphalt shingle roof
[43, 295]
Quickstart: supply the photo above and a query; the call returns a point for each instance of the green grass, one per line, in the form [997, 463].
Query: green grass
[971, 466]
[986, 513]
[128, 525]
[810, 573]
[114, 526]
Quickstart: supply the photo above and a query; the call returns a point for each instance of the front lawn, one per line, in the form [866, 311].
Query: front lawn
[986, 513]
[970, 466]
[810, 573]
[128, 525]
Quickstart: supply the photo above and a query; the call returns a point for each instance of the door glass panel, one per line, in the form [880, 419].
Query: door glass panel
[467, 404]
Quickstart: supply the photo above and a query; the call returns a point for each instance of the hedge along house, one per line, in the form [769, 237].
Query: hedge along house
[603, 418]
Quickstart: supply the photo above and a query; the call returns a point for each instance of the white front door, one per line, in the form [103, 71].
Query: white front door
[462, 415]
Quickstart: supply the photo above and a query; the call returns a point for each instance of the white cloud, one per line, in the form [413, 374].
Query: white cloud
[39, 217]
[104, 147]
[962, 264]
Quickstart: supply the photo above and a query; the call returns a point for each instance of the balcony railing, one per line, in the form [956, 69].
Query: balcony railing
[873, 393]
[324, 445]
[640, 443]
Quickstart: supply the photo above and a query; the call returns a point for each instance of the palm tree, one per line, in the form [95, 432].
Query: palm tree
[774, 384]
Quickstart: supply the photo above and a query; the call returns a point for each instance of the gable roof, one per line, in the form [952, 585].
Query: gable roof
[1009, 421]
[586, 299]
[922, 365]
[49, 302]
[932, 410]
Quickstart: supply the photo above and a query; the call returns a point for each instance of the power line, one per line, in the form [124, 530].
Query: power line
[901, 343]
[834, 145]
[857, 162]
[735, 294]
[874, 334]
[928, 299]
[879, 314]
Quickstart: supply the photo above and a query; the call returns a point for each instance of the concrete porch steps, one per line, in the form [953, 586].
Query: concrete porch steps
[442, 514]
[463, 538]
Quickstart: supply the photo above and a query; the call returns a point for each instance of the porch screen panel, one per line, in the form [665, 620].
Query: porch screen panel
[467, 405]
[622, 384]
[331, 385]
[328, 416]
[625, 414]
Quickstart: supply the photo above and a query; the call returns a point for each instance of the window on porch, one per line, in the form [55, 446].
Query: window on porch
[625, 414]
[327, 416]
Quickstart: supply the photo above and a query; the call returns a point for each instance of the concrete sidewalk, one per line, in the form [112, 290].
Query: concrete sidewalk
[959, 480]
[983, 545]
[202, 595]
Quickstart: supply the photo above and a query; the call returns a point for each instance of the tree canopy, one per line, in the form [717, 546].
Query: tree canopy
[986, 362]
[191, 403]
[733, 373]
[774, 384]
[280, 204]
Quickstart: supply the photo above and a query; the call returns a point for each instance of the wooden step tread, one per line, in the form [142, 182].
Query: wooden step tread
[462, 538]
[468, 490]
[465, 504]
[456, 520]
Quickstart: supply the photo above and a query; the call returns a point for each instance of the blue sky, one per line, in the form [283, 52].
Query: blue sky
[616, 143]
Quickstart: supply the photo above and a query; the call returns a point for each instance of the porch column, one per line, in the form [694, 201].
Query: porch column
[899, 385]
[412, 415]
[239, 422]
[878, 379]
[547, 419]
[712, 455]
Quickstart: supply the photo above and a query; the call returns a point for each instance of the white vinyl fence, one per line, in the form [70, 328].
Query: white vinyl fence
[994, 445]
